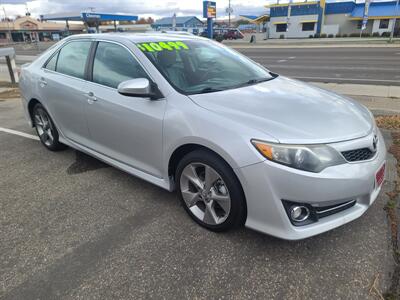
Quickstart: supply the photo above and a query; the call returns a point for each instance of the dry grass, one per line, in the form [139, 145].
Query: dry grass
[391, 122]
[10, 94]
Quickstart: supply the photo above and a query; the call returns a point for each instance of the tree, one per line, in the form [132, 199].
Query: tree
[141, 21]
[149, 20]
[242, 21]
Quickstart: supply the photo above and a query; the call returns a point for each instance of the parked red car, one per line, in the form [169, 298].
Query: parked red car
[233, 34]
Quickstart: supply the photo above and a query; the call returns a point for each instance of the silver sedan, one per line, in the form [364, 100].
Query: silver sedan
[240, 144]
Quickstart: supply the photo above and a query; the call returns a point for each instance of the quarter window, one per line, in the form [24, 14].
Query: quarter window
[309, 26]
[384, 24]
[51, 64]
[72, 58]
[281, 27]
[114, 64]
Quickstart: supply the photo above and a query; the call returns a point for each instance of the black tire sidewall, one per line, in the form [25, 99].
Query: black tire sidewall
[237, 214]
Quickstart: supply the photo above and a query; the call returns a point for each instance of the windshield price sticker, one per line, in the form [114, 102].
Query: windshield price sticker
[161, 46]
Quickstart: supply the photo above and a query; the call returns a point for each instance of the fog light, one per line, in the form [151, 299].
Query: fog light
[299, 213]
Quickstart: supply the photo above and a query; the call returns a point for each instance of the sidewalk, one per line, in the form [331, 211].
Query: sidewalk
[310, 42]
[379, 98]
[385, 91]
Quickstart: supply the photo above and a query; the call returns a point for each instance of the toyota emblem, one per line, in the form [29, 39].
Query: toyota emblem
[375, 142]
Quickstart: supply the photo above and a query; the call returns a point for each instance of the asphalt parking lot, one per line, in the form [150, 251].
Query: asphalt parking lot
[72, 227]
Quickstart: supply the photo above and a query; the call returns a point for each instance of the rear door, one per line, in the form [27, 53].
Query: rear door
[128, 129]
[63, 87]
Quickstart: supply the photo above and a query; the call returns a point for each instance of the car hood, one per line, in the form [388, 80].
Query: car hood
[291, 111]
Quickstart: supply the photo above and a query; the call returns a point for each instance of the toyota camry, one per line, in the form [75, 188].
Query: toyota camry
[241, 145]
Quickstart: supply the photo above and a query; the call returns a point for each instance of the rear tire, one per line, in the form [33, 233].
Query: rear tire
[210, 191]
[45, 129]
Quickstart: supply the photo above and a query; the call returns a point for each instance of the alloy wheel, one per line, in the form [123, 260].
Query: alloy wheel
[44, 126]
[205, 193]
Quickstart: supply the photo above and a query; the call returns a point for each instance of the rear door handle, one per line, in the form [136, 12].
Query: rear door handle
[91, 97]
[42, 82]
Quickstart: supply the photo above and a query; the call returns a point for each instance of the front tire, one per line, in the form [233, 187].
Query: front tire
[210, 191]
[45, 129]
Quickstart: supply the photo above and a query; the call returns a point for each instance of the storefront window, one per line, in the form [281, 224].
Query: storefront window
[384, 24]
[281, 27]
[309, 26]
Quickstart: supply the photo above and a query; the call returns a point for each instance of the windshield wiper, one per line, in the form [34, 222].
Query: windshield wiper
[253, 81]
[258, 80]
[208, 90]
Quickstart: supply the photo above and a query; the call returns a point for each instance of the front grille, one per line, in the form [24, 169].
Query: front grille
[358, 154]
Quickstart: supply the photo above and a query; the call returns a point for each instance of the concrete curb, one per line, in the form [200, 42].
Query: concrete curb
[370, 90]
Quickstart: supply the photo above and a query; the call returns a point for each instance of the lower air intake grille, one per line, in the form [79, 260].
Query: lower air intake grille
[358, 154]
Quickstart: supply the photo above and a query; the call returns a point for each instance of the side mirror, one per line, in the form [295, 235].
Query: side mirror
[139, 87]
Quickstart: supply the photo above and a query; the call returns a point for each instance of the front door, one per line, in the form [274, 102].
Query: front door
[128, 129]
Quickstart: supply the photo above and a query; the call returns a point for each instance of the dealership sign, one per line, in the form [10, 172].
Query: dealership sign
[209, 9]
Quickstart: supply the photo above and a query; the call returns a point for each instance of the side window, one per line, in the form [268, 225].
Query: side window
[114, 64]
[72, 59]
[51, 64]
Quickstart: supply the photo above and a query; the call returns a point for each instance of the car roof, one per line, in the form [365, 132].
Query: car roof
[138, 37]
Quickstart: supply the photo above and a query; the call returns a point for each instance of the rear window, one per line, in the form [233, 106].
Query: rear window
[72, 58]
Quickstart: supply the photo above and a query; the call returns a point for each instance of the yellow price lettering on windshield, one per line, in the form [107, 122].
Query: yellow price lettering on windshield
[161, 46]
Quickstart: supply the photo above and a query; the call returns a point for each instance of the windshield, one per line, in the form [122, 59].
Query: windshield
[201, 66]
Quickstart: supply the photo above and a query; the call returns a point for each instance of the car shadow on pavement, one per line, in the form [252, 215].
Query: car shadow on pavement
[84, 163]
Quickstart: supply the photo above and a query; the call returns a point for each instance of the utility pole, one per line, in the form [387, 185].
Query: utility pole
[396, 11]
[288, 17]
[229, 8]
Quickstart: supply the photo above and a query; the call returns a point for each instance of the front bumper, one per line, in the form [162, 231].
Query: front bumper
[266, 184]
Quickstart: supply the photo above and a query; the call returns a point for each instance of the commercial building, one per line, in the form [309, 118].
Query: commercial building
[303, 19]
[190, 23]
[27, 29]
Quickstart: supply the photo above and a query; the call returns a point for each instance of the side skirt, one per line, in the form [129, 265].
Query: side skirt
[161, 182]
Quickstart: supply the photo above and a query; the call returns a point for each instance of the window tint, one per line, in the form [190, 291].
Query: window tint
[114, 64]
[72, 59]
[51, 64]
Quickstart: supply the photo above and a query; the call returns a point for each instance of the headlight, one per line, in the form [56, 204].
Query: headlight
[312, 158]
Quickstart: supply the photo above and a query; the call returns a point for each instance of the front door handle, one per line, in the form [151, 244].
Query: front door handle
[91, 97]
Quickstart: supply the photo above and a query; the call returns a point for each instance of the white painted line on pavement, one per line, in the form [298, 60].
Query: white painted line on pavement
[281, 60]
[19, 133]
[346, 79]
[292, 57]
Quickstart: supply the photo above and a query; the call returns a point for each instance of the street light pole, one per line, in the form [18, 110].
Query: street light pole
[394, 21]
[8, 25]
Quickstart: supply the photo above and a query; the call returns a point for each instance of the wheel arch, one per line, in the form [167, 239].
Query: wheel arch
[184, 149]
[31, 104]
